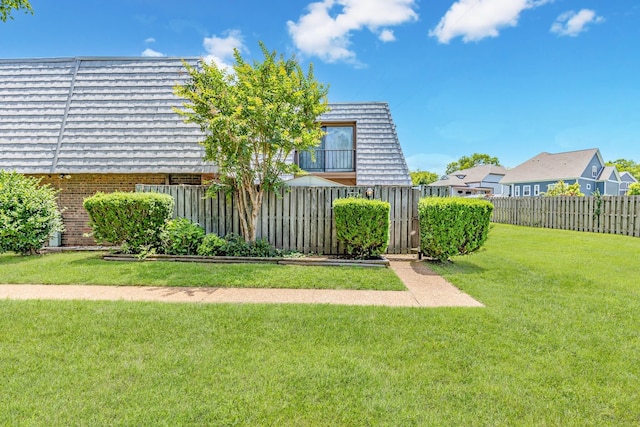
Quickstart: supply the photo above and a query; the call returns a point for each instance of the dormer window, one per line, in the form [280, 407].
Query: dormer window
[460, 176]
[336, 152]
[594, 171]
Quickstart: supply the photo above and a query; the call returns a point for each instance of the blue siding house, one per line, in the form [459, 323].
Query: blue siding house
[586, 167]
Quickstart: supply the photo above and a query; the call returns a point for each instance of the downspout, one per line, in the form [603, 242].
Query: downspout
[54, 165]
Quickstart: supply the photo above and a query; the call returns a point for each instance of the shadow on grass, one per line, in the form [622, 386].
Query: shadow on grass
[459, 266]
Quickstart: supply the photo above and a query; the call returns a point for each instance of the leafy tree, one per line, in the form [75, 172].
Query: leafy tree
[634, 189]
[29, 214]
[253, 118]
[423, 177]
[6, 6]
[624, 165]
[561, 188]
[466, 162]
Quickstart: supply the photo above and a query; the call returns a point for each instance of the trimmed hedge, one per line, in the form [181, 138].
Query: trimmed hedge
[452, 226]
[29, 214]
[362, 225]
[135, 221]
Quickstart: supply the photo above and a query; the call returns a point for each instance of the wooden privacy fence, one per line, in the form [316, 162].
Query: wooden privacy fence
[298, 218]
[608, 214]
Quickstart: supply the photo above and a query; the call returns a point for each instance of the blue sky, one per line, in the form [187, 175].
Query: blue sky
[510, 78]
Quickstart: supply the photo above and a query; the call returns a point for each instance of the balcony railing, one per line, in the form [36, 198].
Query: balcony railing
[328, 161]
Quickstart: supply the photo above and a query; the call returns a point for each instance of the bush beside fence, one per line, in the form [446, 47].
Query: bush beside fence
[298, 218]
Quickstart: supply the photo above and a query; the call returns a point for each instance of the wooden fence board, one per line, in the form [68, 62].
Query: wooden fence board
[618, 214]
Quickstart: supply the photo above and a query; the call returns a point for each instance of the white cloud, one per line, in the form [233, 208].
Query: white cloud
[387, 36]
[326, 29]
[152, 53]
[476, 19]
[150, 40]
[220, 49]
[571, 23]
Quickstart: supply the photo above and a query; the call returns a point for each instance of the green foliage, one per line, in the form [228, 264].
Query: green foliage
[466, 162]
[624, 165]
[362, 225]
[253, 119]
[135, 221]
[234, 245]
[181, 237]
[28, 213]
[452, 226]
[634, 189]
[561, 188]
[212, 245]
[7, 6]
[423, 177]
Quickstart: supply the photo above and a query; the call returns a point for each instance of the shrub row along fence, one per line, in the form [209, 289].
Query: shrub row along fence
[298, 218]
[608, 214]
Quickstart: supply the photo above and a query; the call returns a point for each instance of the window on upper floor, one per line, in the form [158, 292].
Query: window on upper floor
[336, 152]
[594, 171]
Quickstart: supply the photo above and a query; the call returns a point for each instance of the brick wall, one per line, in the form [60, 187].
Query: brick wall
[76, 187]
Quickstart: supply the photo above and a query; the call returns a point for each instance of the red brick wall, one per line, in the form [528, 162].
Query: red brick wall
[80, 186]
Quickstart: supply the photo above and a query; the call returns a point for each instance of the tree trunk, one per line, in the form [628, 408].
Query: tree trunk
[249, 204]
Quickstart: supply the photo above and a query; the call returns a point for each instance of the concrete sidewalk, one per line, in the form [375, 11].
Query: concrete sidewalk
[424, 289]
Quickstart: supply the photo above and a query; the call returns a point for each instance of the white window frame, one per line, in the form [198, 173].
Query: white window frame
[536, 190]
[516, 191]
[588, 186]
[594, 171]
[526, 190]
[550, 187]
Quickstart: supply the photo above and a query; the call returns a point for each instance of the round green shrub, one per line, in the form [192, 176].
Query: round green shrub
[181, 237]
[212, 245]
[135, 221]
[29, 214]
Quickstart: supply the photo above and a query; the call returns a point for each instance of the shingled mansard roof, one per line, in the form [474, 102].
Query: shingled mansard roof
[115, 115]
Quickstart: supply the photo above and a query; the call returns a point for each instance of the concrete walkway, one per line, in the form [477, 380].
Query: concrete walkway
[424, 289]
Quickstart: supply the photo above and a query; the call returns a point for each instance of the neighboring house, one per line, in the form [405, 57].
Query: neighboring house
[478, 180]
[105, 124]
[625, 180]
[585, 167]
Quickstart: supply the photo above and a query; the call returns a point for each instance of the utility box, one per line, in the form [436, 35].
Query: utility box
[55, 240]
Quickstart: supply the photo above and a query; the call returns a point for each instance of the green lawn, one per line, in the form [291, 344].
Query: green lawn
[87, 268]
[556, 345]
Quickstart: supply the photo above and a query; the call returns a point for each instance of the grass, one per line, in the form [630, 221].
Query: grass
[87, 268]
[557, 344]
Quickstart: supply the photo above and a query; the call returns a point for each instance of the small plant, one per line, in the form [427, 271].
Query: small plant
[362, 225]
[134, 221]
[212, 245]
[561, 188]
[452, 226]
[181, 237]
[28, 213]
[634, 189]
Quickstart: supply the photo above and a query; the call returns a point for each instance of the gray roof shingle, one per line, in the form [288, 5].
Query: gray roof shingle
[551, 167]
[116, 115]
